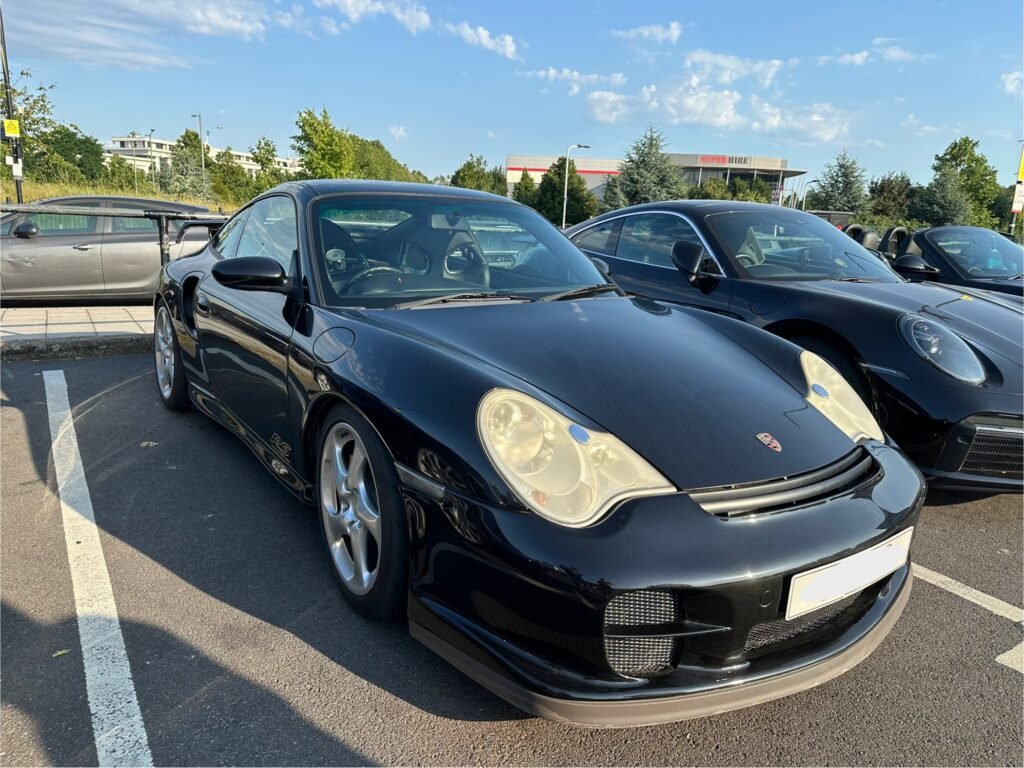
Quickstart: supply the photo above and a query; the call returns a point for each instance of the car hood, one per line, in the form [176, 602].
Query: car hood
[989, 320]
[677, 391]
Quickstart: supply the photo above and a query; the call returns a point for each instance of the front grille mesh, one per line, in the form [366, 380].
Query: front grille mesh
[771, 633]
[996, 454]
[641, 656]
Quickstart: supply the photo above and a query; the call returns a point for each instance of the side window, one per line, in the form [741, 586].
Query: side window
[7, 225]
[226, 240]
[270, 231]
[120, 225]
[648, 238]
[600, 239]
[50, 224]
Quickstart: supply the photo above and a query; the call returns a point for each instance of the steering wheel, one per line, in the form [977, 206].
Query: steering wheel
[362, 275]
[476, 269]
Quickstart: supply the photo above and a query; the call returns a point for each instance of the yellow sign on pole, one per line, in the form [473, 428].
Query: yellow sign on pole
[1020, 168]
[13, 131]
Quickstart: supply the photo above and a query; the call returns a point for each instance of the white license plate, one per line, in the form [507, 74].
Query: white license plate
[811, 590]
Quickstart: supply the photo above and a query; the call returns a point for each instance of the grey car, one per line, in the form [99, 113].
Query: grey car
[80, 257]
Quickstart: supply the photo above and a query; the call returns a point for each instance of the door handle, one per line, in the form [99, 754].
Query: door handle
[82, 246]
[202, 304]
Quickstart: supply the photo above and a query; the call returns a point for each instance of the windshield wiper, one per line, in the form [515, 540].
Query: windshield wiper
[850, 280]
[1016, 277]
[579, 293]
[455, 297]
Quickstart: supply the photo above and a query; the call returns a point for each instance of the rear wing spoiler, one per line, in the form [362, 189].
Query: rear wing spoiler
[212, 226]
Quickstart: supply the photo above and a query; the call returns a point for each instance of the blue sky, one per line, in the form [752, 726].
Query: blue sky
[893, 83]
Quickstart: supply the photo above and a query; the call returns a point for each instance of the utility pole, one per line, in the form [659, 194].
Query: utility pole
[15, 141]
[135, 165]
[565, 189]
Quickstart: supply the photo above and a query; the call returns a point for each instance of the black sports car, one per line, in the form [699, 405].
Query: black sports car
[604, 509]
[965, 256]
[940, 367]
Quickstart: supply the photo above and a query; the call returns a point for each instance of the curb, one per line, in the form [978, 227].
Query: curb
[89, 346]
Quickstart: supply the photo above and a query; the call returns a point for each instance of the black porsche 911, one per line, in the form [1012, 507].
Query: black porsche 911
[972, 257]
[940, 367]
[604, 509]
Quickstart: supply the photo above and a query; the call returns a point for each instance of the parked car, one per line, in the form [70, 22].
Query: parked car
[939, 366]
[603, 509]
[966, 256]
[55, 256]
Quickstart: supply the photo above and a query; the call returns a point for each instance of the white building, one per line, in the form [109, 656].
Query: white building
[145, 153]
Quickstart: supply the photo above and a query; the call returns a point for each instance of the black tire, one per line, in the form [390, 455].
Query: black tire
[842, 363]
[173, 388]
[386, 597]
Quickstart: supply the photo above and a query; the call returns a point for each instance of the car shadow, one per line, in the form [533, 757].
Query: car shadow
[43, 673]
[189, 495]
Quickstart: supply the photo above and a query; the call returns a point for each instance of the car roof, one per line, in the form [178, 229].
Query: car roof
[115, 199]
[704, 207]
[319, 187]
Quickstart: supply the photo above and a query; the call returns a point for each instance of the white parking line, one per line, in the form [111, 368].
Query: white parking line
[118, 730]
[1013, 658]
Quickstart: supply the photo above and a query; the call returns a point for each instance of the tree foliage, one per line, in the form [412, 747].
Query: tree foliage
[712, 189]
[230, 182]
[841, 186]
[120, 174]
[889, 197]
[613, 198]
[647, 174]
[943, 201]
[187, 177]
[325, 151]
[975, 177]
[581, 203]
[525, 190]
[474, 174]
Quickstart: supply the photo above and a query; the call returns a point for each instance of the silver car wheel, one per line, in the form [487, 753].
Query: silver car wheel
[163, 348]
[348, 508]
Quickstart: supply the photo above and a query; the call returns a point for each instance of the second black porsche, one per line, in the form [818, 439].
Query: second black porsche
[604, 509]
[941, 368]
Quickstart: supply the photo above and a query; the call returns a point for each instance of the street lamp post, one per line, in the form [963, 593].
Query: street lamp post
[135, 165]
[565, 190]
[803, 206]
[149, 151]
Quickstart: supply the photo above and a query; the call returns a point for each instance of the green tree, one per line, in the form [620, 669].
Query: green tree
[229, 181]
[34, 110]
[712, 189]
[525, 190]
[612, 199]
[647, 174]
[264, 154]
[889, 197]
[83, 152]
[472, 174]
[49, 166]
[942, 201]
[187, 179]
[497, 181]
[754, 191]
[326, 152]
[581, 203]
[119, 174]
[975, 176]
[841, 186]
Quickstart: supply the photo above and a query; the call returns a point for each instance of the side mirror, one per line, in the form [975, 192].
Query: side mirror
[252, 273]
[687, 257]
[602, 266]
[26, 230]
[911, 265]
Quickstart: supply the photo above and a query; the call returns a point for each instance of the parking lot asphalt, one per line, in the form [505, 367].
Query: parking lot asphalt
[242, 650]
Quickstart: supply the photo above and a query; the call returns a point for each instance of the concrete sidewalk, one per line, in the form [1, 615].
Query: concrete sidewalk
[68, 331]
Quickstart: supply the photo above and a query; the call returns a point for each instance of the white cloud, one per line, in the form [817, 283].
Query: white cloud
[695, 103]
[655, 33]
[725, 68]
[575, 79]
[879, 41]
[492, 135]
[1013, 83]
[398, 132]
[820, 122]
[409, 14]
[503, 45]
[858, 59]
[608, 106]
[296, 20]
[876, 143]
[129, 33]
[898, 54]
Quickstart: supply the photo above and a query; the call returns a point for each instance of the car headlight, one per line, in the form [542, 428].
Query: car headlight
[831, 394]
[562, 471]
[942, 348]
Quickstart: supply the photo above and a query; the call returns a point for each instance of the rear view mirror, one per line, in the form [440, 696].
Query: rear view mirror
[910, 265]
[687, 257]
[602, 266]
[25, 230]
[252, 273]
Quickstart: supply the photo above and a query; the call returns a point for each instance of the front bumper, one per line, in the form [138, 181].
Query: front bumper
[982, 453]
[522, 605]
[735, 694]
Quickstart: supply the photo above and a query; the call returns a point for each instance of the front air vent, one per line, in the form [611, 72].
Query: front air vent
[848, 473]
[997, 452]
[637, 612]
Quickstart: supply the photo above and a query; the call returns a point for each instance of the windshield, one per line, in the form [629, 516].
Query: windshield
[379, 251]
[976, 252]
[782, 244]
